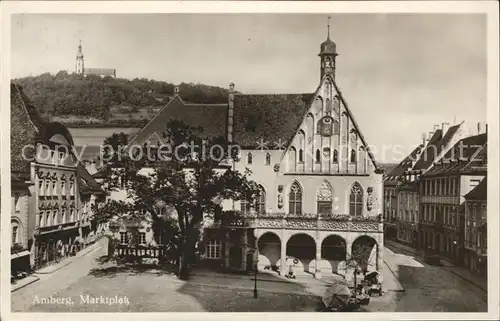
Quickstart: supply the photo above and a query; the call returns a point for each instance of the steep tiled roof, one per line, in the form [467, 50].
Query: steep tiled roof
[479, 193]
[387, 167]
[103, 172]
[273, 118]
[87, 183]
[212, 118]
[468, 155]
[448, 137]
[431, 151]
[404, 165]
[268, 117]
[26, 125]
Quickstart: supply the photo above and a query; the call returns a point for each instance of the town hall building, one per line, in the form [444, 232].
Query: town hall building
[321, 188]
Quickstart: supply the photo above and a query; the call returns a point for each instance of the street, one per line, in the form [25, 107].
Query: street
[91, 285]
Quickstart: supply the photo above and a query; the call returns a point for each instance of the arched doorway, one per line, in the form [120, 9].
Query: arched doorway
[364, 251]
[300, 251]
[269, 245]
[333, 251]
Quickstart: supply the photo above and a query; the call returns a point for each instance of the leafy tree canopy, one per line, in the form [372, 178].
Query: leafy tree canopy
[190, 179]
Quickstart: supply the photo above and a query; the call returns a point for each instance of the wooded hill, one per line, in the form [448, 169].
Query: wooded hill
[75, 99]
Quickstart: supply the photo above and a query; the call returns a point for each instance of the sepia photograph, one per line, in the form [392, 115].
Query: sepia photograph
[249, 162]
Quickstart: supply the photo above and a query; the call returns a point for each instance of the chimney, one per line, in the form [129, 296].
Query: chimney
[482, 128]
[430, 135]
[436, 127]
[424, 139]
[445, 127]
[230, 113]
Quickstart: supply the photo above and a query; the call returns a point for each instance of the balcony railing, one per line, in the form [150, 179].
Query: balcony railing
[140, 252]
[305, 220]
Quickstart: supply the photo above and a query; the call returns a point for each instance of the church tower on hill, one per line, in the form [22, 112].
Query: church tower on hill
[81, 70]
[79, 60]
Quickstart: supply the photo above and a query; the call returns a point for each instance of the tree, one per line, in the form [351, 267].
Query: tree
[189, 179]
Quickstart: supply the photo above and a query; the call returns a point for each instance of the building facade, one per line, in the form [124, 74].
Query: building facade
[443, 189]
[393, 180]
[403, 182]
[20, 255]
[321, 189]
[42, 157]
[475, 238]
[408, 212]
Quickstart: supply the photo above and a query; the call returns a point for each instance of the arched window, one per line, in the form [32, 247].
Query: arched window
[249, 158]
[335, 156]
[301, 156]
[353, 156]
[324, 198]
[318, 156]
[356, 200]
[295, 199]
[268, 159]
[260, 205]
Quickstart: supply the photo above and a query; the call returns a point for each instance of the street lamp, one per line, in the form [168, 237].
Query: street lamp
[255, 271]
[255, 279]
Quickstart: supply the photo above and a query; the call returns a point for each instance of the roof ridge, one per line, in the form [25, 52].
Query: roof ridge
[154, 118]
[20, 97]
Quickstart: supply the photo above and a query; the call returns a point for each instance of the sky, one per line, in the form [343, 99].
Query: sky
[400, 73]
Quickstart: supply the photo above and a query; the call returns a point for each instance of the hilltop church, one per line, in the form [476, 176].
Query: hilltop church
[320, 185]
[81, 70]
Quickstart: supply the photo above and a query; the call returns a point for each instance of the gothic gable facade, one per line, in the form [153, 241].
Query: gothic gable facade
[328, 140]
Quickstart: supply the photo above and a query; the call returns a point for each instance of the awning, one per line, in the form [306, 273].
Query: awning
[19, 254]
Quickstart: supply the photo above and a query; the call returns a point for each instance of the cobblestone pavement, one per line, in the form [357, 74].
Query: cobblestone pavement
[53, 283]
[431, 288]
[83, 286]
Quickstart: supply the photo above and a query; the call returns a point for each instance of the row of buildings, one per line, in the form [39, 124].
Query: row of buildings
[435, 199]
[52, 193]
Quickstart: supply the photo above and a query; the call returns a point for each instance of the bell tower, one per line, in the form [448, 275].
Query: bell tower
[328, 54]
[79, 60]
